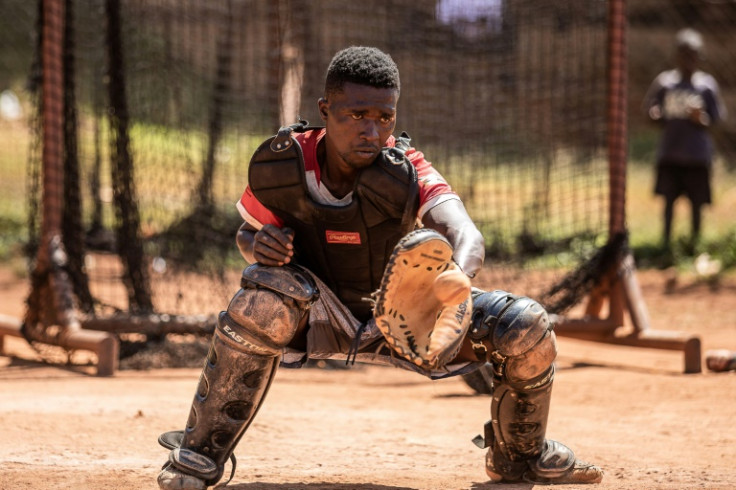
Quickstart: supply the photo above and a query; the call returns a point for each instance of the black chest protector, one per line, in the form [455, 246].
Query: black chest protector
[345, 246]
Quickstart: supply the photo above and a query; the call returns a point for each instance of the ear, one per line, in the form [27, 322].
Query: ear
[323, 108]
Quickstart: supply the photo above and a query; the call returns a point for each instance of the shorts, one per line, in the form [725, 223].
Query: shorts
[332, 329]
[691, 181]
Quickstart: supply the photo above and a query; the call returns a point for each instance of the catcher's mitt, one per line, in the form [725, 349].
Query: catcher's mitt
[423, 306]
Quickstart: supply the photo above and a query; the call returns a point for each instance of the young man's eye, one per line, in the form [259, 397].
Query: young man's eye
[387, 119]
[356, 116]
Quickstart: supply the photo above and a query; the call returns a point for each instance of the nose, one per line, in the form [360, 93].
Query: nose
[370, 130]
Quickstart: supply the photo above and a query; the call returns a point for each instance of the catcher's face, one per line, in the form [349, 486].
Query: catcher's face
[358, 120]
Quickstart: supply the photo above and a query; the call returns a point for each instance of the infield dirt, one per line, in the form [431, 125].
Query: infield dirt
[629, 410]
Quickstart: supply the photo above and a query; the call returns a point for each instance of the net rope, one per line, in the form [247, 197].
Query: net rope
[165, 101]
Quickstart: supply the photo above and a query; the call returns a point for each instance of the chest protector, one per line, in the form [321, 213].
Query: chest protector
[345, 246]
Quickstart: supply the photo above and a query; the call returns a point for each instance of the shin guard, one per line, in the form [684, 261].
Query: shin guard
[244, 354]
[519, 416]
[230, 391]
[514, 333]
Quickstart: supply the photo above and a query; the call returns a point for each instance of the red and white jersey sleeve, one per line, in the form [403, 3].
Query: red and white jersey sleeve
[254, 213]
[433, 188]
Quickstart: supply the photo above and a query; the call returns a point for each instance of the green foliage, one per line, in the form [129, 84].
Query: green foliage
[512, 224]
[724, 249]
[12, 232]
[643, 144]
[14, 140]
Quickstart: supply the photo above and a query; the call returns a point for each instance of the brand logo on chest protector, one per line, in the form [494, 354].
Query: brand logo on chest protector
[343, 237]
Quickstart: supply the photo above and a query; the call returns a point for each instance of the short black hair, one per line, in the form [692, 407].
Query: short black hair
[362, 65]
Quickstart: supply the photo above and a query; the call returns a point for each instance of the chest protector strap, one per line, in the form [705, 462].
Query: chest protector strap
[346, 246]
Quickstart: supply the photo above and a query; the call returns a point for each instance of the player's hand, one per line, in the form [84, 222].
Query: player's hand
[655, 113]
[273, 246]
[699, 117]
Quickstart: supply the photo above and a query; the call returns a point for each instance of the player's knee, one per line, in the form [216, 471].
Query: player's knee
[269, 305]
[264, 315]
[533, 362]
[519, 332]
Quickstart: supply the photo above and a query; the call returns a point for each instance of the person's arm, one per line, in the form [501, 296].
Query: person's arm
[651, 104]
[451, 219]
[269, 246]
[714, 109]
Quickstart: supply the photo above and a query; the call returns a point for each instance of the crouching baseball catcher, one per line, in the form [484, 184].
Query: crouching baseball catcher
[361, 251]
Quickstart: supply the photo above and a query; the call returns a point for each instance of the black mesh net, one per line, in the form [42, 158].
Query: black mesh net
[165, 101]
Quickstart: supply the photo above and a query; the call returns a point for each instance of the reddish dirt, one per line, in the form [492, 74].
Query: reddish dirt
[630, 410]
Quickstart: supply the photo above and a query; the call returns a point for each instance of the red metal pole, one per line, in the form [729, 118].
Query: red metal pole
[52, 291]
[616, 115]
[52, 120]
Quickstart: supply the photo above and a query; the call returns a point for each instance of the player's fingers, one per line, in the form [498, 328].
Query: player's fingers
[272, 246]
[268, 256]
[282, 237]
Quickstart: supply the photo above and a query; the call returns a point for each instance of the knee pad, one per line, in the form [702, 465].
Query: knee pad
[518, 331]
[264, 314]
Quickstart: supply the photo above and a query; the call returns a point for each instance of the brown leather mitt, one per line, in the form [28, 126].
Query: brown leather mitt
[423, 306]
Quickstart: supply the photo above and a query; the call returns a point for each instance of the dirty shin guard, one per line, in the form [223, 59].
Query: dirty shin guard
[231, 387]
[519, 422]
[514, 333]
[243, 357]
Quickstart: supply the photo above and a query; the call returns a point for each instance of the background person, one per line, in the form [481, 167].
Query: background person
[686, 102]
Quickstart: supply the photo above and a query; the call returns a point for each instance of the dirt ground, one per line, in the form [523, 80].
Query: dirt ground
[630, 410]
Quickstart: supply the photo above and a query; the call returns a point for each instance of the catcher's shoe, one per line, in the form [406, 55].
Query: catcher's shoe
[556, 465]
[171, 478]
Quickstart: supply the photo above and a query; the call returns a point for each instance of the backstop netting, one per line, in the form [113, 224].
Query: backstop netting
[164, 102]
